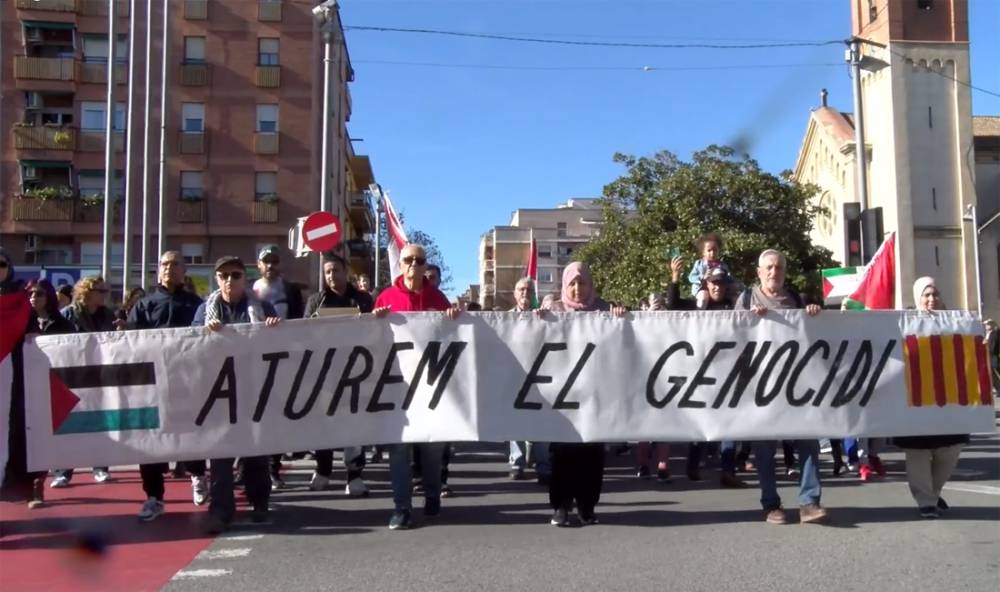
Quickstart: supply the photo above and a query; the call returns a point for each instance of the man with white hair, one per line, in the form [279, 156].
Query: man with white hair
[524, 291]
[771, 293]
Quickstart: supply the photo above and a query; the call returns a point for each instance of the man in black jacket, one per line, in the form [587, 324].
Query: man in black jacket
[167, 305]
[337, 292]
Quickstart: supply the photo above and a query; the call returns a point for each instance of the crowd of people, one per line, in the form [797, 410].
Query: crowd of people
[572, 472]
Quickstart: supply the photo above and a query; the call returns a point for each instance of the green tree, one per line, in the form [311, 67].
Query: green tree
[662, 203]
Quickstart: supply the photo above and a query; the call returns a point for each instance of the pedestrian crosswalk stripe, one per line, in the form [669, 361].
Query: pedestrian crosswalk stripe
[202, 573]
[224, 553]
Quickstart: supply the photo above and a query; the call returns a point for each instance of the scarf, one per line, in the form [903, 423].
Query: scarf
[575, 270]
[781, 302]
[919, 286]
[213, 307]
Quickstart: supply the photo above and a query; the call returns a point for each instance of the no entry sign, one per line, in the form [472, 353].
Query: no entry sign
[321, 231]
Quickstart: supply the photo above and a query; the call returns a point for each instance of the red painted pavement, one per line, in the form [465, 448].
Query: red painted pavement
[88, 538]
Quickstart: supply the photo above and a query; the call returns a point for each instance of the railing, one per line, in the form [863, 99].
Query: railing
[194, 74]
[92, 211]
[268, 11]
[100, 7]
[44, 138]
[53, 5]
[265, 143]
[28, 68]
[42, 210]
[264, 212]
[94, 141]
[359, 200]
[191, 143]
[97, 73]
[268, 76]
[196, 10]
[190, 211]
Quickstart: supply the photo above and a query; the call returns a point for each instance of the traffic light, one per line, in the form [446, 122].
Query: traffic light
[872, 231]
[852, 234]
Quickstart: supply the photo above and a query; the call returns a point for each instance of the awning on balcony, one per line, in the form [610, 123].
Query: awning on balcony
[47, 164]
[49, 25]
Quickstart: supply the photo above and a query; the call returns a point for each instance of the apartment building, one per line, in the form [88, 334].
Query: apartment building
[504, 251]
[243, 131]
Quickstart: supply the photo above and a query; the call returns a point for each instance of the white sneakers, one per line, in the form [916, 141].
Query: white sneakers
[199, 490]
[318, 482]
[151, 510]
[356, 488]
[59, 482]
[101, 476]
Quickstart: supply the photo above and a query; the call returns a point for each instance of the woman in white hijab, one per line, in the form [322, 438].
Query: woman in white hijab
[930, 459]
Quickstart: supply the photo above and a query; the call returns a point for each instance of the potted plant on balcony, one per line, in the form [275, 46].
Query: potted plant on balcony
[62, 138]
[93, 200]
[268, 198]
[47, 193]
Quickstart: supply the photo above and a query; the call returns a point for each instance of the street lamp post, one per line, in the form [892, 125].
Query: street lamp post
[970, 216]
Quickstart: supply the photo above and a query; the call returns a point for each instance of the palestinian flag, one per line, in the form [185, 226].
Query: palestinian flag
[876, 289]
[532, 272]
[839, 283]
[15, 312]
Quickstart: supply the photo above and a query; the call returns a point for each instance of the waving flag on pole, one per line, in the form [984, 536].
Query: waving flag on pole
[532, 270]
[876, 290]
[15, 311]
[397, 238]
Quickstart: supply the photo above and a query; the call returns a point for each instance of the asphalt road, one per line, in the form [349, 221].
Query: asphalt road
[494, 535]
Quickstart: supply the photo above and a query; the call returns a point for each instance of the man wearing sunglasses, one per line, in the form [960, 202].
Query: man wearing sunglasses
[233, 303]
[411, 293]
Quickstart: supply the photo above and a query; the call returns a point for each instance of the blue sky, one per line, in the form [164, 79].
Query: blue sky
[493, 126]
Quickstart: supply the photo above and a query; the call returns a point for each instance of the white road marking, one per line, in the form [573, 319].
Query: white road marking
[243, 537]
[202, 573]
[972, 488]
[224, 553]
[321, 231]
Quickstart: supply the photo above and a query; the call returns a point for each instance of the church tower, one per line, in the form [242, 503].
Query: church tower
[918, 120]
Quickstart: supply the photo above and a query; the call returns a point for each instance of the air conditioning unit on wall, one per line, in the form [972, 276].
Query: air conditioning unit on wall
[31, 243]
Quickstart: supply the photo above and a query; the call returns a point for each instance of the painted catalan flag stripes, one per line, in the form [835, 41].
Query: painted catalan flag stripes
[947, 370]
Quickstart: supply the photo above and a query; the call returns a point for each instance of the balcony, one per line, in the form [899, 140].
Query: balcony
[97, 73]
[44, 138]
[191, 143]
[193, 74]
[196, 10]
[100, 7]
[190, 211]
[265, 212]
[360, 212]
[91, 211]
[269, 11]
[94, 141]
[26, 68]
[265, 143]
[30, 209]
[268, 76]
[48, 5]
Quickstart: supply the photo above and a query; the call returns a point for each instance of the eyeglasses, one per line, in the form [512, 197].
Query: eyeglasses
[411, 260]
[232, 275]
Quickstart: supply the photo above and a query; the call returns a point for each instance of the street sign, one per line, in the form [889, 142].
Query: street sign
[321, 231]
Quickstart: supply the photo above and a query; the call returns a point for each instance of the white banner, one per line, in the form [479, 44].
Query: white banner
[176, 394]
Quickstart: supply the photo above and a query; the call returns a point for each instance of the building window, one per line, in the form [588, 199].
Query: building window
[930, 117]
[872, 10]
[267, 119]
[934, 198]
[545, 277]
[90, 253]
[193, 115]
[266, 187]
[91, 184]
[92, 116]
[194, 50]
[545, 251]
[191, 185]
[95, 49]
[193, 253]
[267, 52]
[560, 229]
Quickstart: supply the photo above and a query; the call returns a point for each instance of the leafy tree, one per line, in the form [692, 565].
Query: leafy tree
[662, 203]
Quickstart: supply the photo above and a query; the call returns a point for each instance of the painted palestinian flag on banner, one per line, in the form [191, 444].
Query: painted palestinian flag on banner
[71, 384]
[876, 289]
[839, 283]
[947, 370]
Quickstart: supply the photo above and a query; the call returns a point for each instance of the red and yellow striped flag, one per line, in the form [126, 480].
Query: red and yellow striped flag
[947, 370]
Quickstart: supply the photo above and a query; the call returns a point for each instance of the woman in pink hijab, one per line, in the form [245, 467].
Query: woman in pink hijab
[577, 468]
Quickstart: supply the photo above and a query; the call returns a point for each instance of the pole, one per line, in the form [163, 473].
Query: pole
[975, 255]
[126, 247]
[144, 250]
[109, 144]
[377, 194]
[324, 200]
[161, 240]
[860, 156]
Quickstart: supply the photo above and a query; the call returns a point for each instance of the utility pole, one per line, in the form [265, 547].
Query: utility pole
[860, 156]
[376, 192]
[161, 230]
[109, 145]
[144, 251]
[127, 240]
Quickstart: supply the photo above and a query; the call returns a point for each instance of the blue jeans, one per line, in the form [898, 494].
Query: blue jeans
[539, 450]
[401, 473]
[810, 489]
[727, 456]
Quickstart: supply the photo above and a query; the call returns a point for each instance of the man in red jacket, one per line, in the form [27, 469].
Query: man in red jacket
[411, 293]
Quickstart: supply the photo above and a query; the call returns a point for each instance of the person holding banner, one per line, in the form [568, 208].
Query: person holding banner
[338, 293]
[771, 293]
[410, 292]
[578, 468]
[524, 295]
[930, 459]
[233, 303]
[168, 305]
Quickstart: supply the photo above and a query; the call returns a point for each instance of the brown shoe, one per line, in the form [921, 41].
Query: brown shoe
[776, 517]
[37, 494]
[811, 513]
[731, 481]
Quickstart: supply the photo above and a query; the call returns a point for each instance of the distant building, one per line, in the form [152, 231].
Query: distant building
[504, 250]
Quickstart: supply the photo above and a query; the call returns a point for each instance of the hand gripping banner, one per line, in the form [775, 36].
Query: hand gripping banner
[175, 394]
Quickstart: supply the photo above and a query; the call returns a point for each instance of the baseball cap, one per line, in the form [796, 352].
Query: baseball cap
[268, 250]
[226, 260]
[717, 275]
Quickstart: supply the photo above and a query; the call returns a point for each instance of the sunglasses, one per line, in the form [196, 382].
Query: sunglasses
[4, 265]
[414, 260]
[232, 275]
